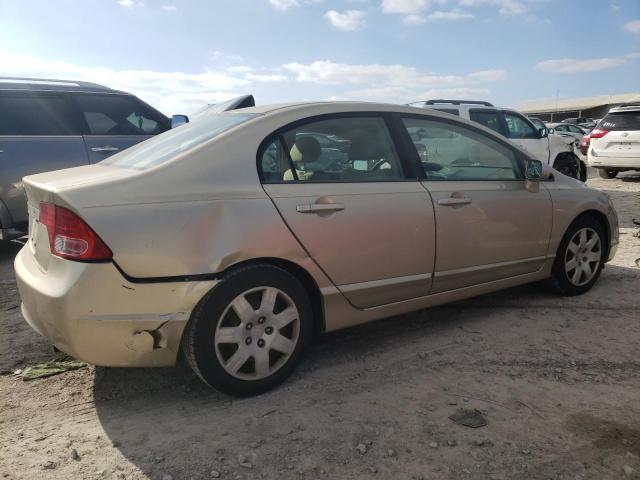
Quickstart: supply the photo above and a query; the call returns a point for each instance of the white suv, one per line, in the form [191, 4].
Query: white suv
[615, 142]
[555, 150]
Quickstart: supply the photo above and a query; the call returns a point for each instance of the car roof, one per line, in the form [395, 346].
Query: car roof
[52, 85]
[625, 108]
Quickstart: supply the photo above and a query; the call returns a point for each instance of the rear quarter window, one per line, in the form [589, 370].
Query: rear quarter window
[621, 121]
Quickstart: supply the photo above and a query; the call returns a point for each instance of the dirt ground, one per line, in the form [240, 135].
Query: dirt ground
[558, 380]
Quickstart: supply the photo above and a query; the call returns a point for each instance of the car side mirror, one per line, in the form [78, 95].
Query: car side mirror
[543, 132]
[551, 131]
[178, 120]
[533, 171]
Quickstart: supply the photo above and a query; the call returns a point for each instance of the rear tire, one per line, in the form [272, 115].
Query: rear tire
[605, 173]
[580, 257]
[249, 332]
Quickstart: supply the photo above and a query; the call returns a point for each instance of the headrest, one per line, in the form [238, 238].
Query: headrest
[306, 149]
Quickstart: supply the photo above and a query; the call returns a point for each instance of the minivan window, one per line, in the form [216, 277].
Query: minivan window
[488, 118]
[119, 115]
[166, 146]
[621, 121]
[519, 127]
[36, 115]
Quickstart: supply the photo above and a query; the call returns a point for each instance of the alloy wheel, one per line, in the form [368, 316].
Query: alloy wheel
[257, 333]
[583, 256]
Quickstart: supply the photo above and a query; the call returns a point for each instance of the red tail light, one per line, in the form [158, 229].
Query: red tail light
[598, 133]
[70, 237]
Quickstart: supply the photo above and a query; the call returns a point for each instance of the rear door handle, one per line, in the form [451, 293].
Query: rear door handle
[320, 207]
[104, 149]
[453, 201]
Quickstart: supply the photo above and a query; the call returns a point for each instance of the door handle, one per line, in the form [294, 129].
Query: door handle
[104, 149]
[320, 207]
[453, 201]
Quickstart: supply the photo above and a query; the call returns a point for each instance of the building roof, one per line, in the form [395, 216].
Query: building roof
[46, 84]
[573, 104]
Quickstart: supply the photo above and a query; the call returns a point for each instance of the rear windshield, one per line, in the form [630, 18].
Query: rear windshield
[166, 146]
[621, 121]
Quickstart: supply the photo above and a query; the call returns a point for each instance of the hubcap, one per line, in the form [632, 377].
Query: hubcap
[257, 333]
[583, 256]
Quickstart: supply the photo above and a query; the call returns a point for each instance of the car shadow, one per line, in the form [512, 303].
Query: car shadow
[167, 420]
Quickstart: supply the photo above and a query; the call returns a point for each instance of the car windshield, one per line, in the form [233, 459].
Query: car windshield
[621, 121]
[166, 146]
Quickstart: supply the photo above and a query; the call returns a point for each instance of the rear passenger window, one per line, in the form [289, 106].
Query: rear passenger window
[119, 115]
[36, 115]
[353, 149]
[488, 118]
[451, 152]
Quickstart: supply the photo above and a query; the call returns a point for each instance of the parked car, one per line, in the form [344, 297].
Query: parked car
[196, 241]
[584, 122]
[615, 142]
[584, 144]
[550, 149]
[53, 124]
[569, 129]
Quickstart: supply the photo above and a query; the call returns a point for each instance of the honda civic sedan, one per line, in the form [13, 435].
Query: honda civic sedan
[232, 240]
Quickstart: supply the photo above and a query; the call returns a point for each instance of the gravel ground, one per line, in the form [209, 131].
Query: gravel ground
[557, 379]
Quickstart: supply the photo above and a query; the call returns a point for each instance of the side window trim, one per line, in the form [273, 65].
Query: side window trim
[277, 134]
[415, 159]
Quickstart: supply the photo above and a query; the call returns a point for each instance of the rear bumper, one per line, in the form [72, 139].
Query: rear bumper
[613, 162]
[91, 312]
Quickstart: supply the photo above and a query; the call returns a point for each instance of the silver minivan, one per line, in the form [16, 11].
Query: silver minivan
[51, 124]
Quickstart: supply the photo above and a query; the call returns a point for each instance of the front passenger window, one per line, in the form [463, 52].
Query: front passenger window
[451, 152]
[519, 127]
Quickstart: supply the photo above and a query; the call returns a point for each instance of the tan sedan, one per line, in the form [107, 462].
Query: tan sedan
[235, 238]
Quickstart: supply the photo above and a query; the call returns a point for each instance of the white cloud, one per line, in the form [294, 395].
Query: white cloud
[130, 3]
[615, 8]
[392, 82]
[575, 65]
[284, 4]
[404, 7]
[349, 20]
[505, 7]
[169, 8]
[170, 92]
[633, 26]
[455, 14]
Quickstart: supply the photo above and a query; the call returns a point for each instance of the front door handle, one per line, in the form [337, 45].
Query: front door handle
[454, 201]
[320, 208]
[104, 149]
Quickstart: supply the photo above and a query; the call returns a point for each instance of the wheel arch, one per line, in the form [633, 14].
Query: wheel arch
[601, 218]
[302, 275]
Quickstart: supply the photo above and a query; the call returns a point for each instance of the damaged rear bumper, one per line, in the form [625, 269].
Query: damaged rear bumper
[90, 311]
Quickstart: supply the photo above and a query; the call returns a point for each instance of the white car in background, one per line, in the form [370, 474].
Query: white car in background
[615, 142]
[557, 151]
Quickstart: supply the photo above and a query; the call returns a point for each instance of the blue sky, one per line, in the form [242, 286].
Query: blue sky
[181, 54]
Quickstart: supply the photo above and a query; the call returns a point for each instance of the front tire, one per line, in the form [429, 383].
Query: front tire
[249, 333]
[568, 166]
[605, 173]
[580, 257]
